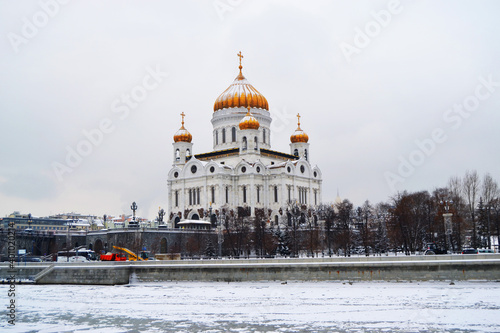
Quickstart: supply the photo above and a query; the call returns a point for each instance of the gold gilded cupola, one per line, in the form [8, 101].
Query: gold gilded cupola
[182, 135]
[240, 94]
[299, 135]
[249, 122]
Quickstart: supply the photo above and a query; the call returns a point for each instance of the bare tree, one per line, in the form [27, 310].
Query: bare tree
[455, 187]
[470, 189]
[380, 241]
[366, 234]
[459, 210]
[260, 232]
[328, 214]
[344, 226]
[496, 208]
[489, 194]
[294, 215]
[489, 189]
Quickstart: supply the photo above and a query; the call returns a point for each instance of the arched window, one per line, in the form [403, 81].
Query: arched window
[244, 143]
[276, 219]
[258, 194]
[256, 143]
[188, 152]
[163, 245]
[305, 154]
[244, 194]
[276, 194]
[212, 190]
[176, 198]
[216, 137]
[223, 135]
[264, 135]
[296, 152]
[227, 194]
[177, 155]
[190, 197]
[233, 134]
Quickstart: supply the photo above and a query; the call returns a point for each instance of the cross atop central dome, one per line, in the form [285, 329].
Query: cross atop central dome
[240, 94]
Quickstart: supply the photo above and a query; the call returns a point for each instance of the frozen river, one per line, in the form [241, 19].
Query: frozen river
[257, 307]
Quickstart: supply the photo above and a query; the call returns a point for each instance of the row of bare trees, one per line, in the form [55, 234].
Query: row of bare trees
[406, 223]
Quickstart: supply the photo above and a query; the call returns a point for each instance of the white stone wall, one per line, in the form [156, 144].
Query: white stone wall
[299, 176]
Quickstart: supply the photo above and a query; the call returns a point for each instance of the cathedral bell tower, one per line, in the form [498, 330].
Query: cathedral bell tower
[183, 148]
[299, 145]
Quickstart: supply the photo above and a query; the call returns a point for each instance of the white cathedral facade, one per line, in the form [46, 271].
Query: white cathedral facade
[242, 170]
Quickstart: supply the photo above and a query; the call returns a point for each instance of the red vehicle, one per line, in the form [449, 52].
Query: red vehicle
[113, 257]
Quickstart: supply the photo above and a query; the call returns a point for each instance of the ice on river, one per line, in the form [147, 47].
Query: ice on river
[257, 307]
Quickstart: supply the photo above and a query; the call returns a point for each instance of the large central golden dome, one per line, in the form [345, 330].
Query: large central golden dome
[240, 94]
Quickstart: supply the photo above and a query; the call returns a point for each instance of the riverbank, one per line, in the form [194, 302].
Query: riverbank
[402, 268]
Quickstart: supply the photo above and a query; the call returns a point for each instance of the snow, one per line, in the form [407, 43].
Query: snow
[259, 306]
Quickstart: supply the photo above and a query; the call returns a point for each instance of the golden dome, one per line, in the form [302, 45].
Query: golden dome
[182, 135]
[240, 94]
[249, 122]
[299, 135]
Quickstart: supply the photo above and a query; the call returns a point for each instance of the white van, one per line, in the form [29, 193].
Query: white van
[72, 259]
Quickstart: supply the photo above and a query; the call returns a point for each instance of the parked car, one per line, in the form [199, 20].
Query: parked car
[470, 251]
[431, 248]
[30, 259]
[486, 251]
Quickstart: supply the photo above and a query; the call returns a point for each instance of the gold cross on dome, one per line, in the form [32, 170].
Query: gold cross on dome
[182, 114]
[241, 56]
[298, 119]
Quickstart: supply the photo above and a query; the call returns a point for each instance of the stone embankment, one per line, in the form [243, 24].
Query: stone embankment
[401, 268]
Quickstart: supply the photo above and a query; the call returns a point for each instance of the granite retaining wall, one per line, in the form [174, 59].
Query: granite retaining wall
[413, 268]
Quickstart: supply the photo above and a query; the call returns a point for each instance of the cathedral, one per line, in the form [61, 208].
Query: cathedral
[242, 171]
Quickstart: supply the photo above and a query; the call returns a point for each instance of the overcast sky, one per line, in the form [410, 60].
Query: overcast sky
[393, 95]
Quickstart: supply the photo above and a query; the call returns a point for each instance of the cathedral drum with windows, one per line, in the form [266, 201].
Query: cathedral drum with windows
[242, 170]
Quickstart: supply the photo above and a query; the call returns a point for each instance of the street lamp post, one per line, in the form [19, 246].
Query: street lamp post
[488, 208]
[447, 223]
[31, 234]
[294, 211]
[134, 208]
[220, 238]
[68, 238]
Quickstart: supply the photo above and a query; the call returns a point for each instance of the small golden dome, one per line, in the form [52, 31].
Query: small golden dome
[299, 135]
[240, 94]
[249, 122]
[182, 135]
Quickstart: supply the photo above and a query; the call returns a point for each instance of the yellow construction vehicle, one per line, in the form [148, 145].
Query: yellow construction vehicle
[132, 256]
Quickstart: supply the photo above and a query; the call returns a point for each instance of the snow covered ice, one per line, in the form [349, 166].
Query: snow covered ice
[258, 307]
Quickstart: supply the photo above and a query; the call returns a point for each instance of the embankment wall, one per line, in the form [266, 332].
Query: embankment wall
[413, 268]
